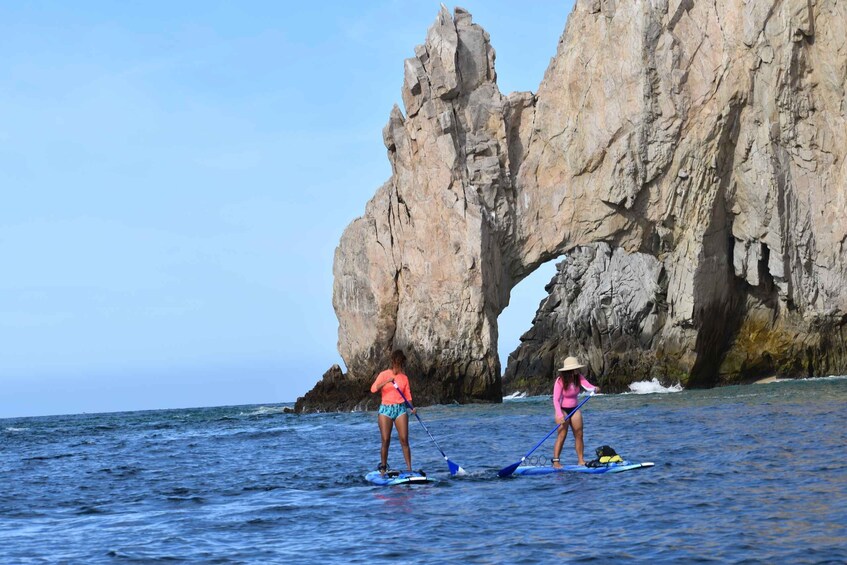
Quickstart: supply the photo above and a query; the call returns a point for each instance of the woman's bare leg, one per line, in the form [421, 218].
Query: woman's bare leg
[385, 436]
[402, 425]
[576, 425]
[560, 441]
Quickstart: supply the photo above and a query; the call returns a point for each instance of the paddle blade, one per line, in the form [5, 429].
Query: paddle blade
[507, 471]
[455, 469]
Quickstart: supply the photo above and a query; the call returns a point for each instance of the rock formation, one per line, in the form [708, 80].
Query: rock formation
[707, 135]
[338, 392]
[722, 155]
[422, 269]
[607, 307]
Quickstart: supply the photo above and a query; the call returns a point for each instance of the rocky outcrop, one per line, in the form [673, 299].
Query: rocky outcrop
[337, 392]
[606, 307]
[710, 136]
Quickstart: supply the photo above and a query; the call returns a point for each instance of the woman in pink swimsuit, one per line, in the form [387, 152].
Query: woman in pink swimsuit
[567, 387]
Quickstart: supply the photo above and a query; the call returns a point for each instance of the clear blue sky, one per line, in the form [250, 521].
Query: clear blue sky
[175, 177]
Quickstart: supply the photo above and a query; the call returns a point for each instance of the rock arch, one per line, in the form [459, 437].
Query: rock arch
[709, 136]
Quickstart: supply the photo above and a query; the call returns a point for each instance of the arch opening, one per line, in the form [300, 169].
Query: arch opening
[603, 305]
[525, 299]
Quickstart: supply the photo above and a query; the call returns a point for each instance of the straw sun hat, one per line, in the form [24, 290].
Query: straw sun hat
[571, 364]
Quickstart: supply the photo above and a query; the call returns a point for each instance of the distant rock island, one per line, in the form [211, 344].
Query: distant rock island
[684, 164]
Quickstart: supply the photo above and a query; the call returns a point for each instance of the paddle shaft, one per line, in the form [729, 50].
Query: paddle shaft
[571, 413]
[511, 468]
[412, 408]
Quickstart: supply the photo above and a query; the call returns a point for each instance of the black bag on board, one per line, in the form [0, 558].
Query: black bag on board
[605, 456]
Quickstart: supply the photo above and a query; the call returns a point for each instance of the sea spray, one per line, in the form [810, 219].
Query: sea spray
[652, 386]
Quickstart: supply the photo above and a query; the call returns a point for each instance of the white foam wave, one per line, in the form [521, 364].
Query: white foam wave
[652, 386]
[16, 429]
[515, 395]
[771, 380]
[264, 411]
[813, 379]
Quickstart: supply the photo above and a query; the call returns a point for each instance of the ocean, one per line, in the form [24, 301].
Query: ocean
[742, 474]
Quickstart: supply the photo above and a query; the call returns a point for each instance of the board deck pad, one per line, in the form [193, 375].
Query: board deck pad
[610, 468]
[398, 478]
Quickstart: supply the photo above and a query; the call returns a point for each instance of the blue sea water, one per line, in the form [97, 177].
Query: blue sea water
[743, 474]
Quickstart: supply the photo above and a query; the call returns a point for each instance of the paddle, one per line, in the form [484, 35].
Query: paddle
[454, 468]
[506, 471]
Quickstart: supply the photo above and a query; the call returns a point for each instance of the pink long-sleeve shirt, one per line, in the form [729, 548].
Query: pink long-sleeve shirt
[389, 393]
[565, 396]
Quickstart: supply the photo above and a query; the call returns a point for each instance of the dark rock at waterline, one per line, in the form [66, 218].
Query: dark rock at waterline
[605, 307]
[337, 392]
[340, 392]
[609, 308]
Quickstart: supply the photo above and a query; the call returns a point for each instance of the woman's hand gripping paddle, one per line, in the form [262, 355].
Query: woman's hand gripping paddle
[506, 471]
[454, 468]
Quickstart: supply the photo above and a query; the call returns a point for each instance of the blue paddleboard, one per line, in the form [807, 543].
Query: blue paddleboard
[610, 468]
[397, 478]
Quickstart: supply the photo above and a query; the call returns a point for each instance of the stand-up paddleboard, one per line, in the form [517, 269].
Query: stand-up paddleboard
[609, 468]
[398, 478]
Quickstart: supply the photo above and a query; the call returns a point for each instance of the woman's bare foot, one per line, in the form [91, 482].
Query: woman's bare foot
[556, 464]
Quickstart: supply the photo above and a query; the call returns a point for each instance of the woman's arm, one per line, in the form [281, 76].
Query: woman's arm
[557, 399]
[587, 385]
[381, 380]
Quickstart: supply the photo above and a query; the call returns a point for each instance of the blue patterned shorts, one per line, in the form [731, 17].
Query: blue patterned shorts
[393, 411]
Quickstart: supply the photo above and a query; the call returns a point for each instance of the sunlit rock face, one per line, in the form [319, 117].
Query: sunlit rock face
[716, 145]
[707, 136]
[423, 269]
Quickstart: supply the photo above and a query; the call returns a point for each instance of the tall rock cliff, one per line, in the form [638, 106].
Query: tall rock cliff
[418, 270]
[709, 136]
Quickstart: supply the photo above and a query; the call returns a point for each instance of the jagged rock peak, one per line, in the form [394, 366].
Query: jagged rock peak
[410, 273]
[445, 67]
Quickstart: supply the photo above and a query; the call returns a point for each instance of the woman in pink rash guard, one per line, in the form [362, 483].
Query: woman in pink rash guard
[567, 387]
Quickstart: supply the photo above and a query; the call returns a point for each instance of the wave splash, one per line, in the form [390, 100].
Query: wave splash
[652, 386]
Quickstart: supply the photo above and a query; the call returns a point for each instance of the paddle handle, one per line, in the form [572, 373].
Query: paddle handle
[409, 404]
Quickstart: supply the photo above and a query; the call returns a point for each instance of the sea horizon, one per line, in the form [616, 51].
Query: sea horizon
[652, 386]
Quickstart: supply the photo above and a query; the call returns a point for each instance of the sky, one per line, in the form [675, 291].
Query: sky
[175, 177]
